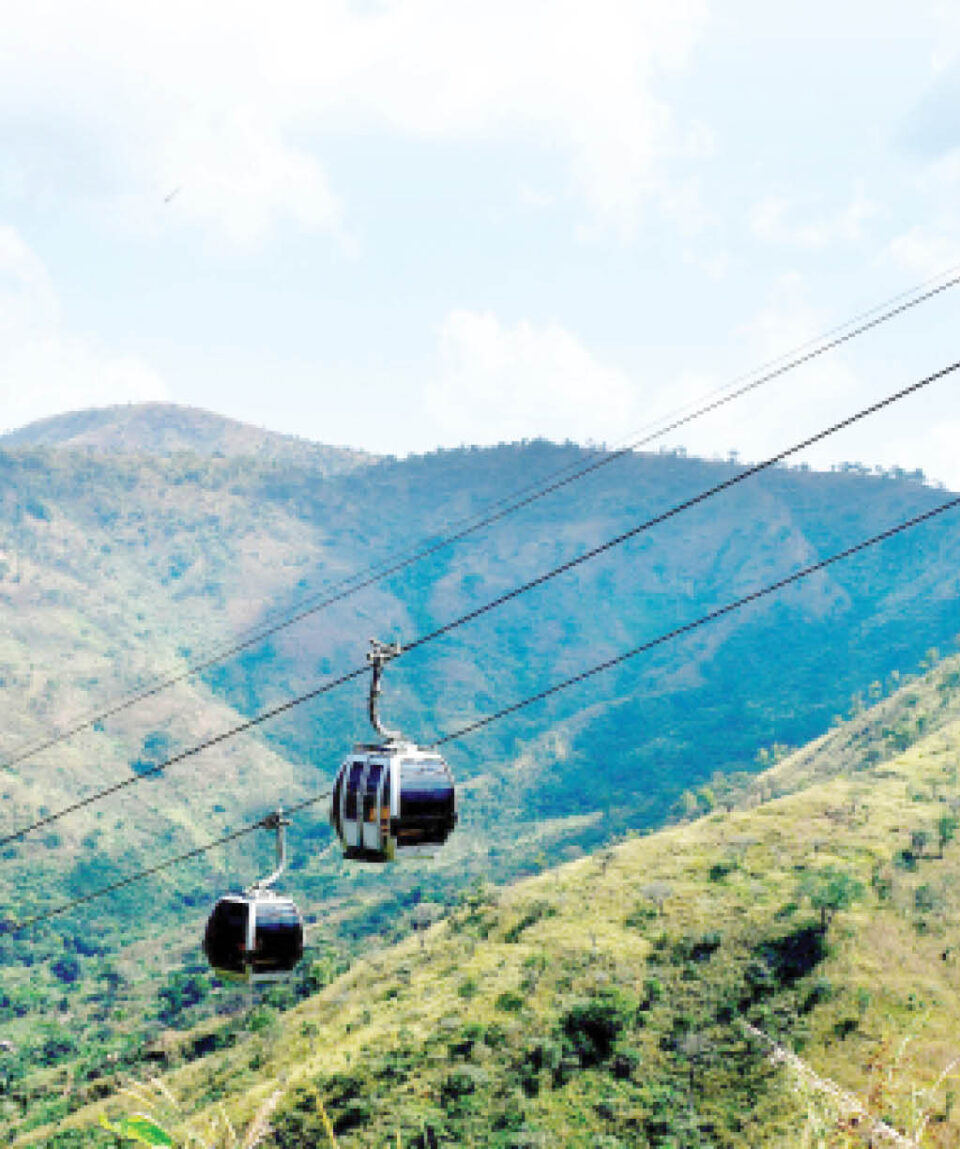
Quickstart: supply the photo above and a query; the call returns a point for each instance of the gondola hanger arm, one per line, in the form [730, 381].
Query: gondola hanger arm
[278, 822]
[379, 654]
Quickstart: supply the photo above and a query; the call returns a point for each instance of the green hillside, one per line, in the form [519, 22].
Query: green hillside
[117, 567]
[825, 919]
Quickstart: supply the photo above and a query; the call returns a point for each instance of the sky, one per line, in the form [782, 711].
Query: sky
[404, 224]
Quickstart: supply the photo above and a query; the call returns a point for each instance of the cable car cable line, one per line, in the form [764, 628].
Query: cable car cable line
[711, 616]
[189, 753]
[122, 883]
[496, 716]
[508, 596]
[678, 508]
[338, 591]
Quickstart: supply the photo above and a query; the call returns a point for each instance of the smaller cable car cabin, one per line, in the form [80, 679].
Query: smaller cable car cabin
[391, 798]
[256, 936]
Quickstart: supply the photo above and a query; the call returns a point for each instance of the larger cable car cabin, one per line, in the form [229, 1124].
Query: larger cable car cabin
[256, 936]
[391, 798]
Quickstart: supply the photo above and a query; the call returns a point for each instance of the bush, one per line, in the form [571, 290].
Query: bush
[66, 969]
[591, 1027]
[182, 991]
[530, 916]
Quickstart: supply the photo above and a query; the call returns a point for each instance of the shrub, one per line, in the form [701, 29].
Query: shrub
[719, 870]
[530, 916]
[592, 1026]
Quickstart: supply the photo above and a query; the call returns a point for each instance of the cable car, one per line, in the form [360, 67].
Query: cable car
[256, 936]
[391, 798]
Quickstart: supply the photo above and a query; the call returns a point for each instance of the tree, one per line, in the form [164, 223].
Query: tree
[829, 890]
[946, 829]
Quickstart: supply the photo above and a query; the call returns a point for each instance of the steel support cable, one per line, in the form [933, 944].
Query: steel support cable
[516, 592]
[711, 616]
[168, 863]
[223, 736]
[514, 502]
[496, 716]
[679, 508]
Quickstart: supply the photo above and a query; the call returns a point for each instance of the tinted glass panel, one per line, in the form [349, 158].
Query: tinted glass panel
[370, 792]
[278, 938]
[225, 940]
[425, 788]
[335, 801]
[353, 783]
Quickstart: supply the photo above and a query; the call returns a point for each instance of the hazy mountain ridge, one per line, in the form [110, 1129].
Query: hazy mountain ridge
[169, 428]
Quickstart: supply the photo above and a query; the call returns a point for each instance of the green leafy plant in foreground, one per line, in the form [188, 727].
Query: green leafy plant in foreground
[217, 1132]
[140, 1128]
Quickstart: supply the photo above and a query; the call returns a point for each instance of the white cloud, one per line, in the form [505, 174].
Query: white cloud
[231, 102]
[500, 384]
[926, 252]
[921, 431]
[44, 368]
[946, 18]
[784, 410]
[775, 219]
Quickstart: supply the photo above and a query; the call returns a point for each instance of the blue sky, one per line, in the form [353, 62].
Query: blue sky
[404, 224]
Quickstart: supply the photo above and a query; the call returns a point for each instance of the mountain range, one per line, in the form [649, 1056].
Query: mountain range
[135, 541]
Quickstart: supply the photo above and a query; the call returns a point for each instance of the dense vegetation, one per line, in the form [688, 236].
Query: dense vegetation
[118, 567]
[824, 920]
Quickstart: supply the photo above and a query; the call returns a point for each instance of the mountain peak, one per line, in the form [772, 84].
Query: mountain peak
[168, 428]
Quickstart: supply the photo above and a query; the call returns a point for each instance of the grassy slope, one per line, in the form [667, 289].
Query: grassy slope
[115, 568]
[467, 1032]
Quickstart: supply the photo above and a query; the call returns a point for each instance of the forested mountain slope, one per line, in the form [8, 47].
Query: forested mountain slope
[825, 920]
[118, 567]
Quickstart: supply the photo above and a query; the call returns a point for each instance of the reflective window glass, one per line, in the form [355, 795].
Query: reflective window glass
[370, 792]
[353, 785]
[278, 937]
[225, 940]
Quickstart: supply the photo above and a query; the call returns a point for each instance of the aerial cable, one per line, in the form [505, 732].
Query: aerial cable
[711, 616]
[508, 505]
[516, 592]
[508, 596]
[168, 863]
[496, 716]
[107, 791]
[677, 509]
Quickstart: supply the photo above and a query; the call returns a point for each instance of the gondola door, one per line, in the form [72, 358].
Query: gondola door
[353, 805]
[228, 937]
[371, 807]
[386, 807]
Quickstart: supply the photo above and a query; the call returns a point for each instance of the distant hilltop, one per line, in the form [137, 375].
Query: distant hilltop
[167, 429]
